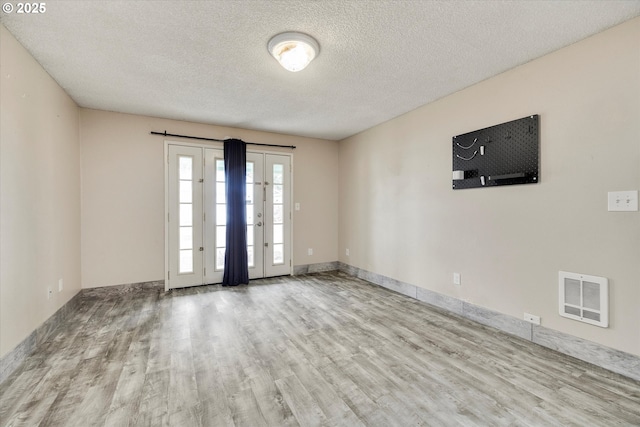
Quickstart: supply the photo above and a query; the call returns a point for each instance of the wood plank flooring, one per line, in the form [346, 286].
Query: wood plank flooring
[317, 350]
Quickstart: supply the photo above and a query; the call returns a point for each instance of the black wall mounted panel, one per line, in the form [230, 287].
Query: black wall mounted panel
[503, 154]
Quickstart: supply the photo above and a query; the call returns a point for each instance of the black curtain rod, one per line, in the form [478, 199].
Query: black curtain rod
[293, 147]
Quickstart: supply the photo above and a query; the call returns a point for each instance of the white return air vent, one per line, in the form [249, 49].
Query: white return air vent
[584, 298]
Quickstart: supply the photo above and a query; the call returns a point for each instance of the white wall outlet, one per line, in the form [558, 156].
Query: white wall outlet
[456, 279]
[60, 285]
[49, 292]
[297, 206]
[310, 251]
[625, 201]
[347, 251]
[531, 318]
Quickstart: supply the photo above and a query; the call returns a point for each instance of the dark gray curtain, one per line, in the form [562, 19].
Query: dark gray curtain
[236, 270]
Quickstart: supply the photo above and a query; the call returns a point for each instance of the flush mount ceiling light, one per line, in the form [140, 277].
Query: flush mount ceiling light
[294, 51]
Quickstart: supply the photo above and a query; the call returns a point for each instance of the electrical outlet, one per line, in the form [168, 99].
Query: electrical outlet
[456, 279]
[310, 251]
[622, 201]
[532, 318]
[60, 285]
[49, 292]
[347, 251]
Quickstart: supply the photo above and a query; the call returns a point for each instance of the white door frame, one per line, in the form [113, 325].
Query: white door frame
[167, 143]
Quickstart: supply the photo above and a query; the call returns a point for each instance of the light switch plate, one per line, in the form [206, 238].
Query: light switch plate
[623, 201]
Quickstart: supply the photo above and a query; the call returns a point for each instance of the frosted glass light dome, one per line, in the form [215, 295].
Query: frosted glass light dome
[294, 51]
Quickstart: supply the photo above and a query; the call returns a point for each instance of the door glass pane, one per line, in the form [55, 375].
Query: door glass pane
[220, 258]
[249, 214]
[221, 214]
[219, 170]
[278, 191]
[186, 193]
[278, 234]
[278, 174]
[250, 235]
[278, 214]
[249, 174]
[221, 196]
[186, 216]
[250, 258]
[185, 165]
[186, 237]
[278, 254]
[249, 193]
[221, 236]
[186, 261]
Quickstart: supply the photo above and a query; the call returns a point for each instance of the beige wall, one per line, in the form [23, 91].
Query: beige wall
[400, 218]
[123, 194]
[39, 194]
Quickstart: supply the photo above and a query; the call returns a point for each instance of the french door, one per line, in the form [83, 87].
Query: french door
[196, 215]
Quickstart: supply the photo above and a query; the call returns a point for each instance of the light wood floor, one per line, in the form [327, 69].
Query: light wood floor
[322, 349]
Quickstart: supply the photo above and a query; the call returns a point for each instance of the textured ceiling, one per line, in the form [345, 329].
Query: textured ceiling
[207, 61]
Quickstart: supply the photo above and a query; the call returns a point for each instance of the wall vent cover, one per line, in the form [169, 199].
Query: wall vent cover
[584, 298]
